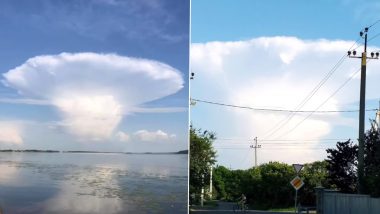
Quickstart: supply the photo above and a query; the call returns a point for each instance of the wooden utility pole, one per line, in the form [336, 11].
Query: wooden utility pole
[363, 58]
[255, 147]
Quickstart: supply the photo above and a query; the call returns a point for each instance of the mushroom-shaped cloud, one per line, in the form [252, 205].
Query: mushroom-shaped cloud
[93, 91]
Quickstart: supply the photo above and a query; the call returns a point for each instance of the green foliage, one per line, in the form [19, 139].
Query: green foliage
[268, 186]
[342, 166]
[220, 175]
[275, 189]
[372, 162]
[313, 175]
[202, 157]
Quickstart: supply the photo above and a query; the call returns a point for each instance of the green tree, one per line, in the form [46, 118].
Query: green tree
[202, 157]
[274, 189]
[268, 186]
[313, 175]
[220, 174]
[372, 162]
[342, 166]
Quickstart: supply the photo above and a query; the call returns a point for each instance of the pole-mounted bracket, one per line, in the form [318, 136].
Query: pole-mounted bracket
[374, 55]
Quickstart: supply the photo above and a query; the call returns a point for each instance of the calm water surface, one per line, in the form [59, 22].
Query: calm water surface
[92, 183]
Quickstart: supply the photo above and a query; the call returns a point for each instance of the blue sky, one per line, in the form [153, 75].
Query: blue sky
[143, 109]
[271, 54]
[226, 20]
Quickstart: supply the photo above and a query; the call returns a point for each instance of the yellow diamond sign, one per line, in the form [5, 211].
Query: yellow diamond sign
[297, 183]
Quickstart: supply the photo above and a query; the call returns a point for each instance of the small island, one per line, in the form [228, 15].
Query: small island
[29, 150]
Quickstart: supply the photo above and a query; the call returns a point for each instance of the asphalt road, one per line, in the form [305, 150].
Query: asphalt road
[236, 212]
[226, 208]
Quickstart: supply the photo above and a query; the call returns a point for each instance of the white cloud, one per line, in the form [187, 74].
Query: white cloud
[275, 72]
[154, 136]
[93, 91]
[10, 133]
[123, 137]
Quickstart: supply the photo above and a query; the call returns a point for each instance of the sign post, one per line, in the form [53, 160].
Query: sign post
[297, 183]
[297, 167]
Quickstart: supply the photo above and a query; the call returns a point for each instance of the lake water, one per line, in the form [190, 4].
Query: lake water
[92, 183]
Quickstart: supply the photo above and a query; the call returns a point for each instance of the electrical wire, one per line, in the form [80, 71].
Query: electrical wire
[283, 122]
[349, 79]
[277, 143]
[333, 94]
[293, 148]
[373, 37]
[291, 140]
[276, 110]
[374, 23]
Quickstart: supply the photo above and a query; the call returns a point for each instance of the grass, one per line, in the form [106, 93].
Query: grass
[206, 205]
[288, 209]
[211, 203]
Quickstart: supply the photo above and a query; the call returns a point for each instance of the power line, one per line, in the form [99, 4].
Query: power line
[316, 110]
[374, 23]
[277, 143]
[370, 39]
[314, 148]
[271, 140]
[326, 139]
[274, 109]
[310, 95]
[283, 122]
[324, 102]
[373, 37]
[245, 158]
[359, 45]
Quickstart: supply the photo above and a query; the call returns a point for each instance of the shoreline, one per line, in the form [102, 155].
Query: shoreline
[182, 152]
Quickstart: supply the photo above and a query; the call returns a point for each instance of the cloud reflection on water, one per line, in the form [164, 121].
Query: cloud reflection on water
[73, 183]
[92, 190]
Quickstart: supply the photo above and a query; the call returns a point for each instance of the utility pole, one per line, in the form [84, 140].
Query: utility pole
[363, 58]
[210, 191]
[202, 192]
[255, 147]
[377, 120]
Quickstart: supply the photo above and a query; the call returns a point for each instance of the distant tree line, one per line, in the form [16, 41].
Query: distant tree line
[268, 185]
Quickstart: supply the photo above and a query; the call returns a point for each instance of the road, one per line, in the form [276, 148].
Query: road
[226, 208]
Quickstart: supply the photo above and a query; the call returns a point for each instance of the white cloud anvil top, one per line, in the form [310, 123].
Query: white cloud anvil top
[93, 91]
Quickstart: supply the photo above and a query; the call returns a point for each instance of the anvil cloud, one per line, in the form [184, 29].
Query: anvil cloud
[93, 91]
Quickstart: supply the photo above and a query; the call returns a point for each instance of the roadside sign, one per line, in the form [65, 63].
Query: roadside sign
[297, 183]
[297, 167]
